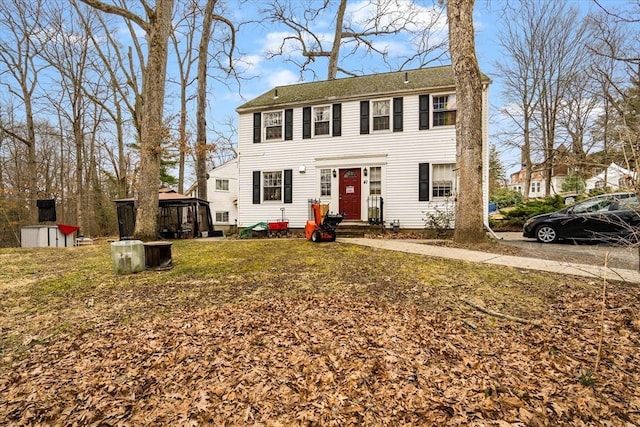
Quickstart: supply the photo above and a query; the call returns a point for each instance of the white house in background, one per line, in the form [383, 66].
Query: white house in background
[349, 142]
[614, 177]
[537, 187]
[222, 193]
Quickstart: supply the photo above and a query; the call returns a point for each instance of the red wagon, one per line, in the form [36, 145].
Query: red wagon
[278, 227]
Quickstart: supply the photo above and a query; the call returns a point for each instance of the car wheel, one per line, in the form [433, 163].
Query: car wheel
[546, 234]
[316, 237]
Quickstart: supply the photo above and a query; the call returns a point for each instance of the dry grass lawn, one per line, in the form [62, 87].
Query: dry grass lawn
[280, 332]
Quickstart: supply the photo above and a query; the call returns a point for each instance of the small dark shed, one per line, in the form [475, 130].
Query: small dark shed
[179, 216]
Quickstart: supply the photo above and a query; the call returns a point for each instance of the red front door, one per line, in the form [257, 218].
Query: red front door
[350, 194]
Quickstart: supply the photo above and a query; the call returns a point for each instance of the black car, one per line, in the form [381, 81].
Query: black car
[612, 217]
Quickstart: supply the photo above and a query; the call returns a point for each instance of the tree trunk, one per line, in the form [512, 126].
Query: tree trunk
[469, 200]
[152, 128]
[201, 121]
[337, 39]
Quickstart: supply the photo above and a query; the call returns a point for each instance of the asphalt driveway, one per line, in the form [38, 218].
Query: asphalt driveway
[592, 253]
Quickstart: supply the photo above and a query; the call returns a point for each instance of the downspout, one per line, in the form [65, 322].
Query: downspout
[485, 162]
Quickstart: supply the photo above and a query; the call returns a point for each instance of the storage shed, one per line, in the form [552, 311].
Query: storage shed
[179, 216]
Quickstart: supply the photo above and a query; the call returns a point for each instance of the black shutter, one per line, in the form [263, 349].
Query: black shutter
[257, 127]
[288, 124]
[424, 112]
[288, 186]
[256, 187]
[397, 114]
[364, 117]
[337, 119]
[423, 182]
[306, 123]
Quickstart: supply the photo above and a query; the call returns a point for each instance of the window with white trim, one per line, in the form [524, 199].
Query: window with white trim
[444, 110]
[222, 185]
[535, 187]
[375, 181]
[222, 216]
[272, 185]
[444, 180]
[321, 120]
[272, 125]
[381, 114]
[325, 182]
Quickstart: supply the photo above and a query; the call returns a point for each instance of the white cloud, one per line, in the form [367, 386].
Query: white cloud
[248, 64]
[281, 78]
[403, 12]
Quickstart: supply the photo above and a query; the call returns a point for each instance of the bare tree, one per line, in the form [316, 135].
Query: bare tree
[157, 27]
[209, 17]
[469, 202]
[182, 40]
[545, 44]
[362, 31]
[119, 84]
[20, 45]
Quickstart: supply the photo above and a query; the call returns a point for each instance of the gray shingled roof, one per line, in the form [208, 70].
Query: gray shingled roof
[355, 87]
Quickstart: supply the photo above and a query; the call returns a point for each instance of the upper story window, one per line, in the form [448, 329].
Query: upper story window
[380, 112]
[272, 183]
[272, 125]
[444, 110]
[321, 120]
[222, 185]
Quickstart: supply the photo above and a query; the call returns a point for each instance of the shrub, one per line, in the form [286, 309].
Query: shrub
[504, 197]
[517, 216]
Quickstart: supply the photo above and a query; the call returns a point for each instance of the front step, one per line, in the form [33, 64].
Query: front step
[356, 229]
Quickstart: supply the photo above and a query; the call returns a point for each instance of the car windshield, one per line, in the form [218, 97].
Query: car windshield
[630, 203]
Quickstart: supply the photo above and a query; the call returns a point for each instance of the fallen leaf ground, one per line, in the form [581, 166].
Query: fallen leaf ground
[284, 332]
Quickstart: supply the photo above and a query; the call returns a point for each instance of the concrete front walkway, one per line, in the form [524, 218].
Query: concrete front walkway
[585, 270]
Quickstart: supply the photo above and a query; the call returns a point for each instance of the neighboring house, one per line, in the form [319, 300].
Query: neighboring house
[615, 177]
[222, 193]
[537, 187]
[538, 183]
[352, 142]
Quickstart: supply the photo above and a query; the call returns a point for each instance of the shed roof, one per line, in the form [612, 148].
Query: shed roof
[437, 78]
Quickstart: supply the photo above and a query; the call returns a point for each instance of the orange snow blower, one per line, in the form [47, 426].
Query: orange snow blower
[323, 227]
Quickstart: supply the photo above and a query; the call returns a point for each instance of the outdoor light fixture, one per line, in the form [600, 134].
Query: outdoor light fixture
[335, 173]
[365, 172]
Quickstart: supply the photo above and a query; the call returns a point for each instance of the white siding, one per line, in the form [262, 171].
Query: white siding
[397, 153]
[224, 201]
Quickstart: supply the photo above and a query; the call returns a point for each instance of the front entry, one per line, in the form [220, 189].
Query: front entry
[350, 194]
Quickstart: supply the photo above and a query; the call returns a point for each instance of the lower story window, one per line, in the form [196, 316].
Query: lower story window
[222, 216]
[325, 182]
[444, 180]
[535, 187]
[375, 181]
[272, 183]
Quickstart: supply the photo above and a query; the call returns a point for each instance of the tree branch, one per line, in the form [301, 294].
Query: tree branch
[115, 10]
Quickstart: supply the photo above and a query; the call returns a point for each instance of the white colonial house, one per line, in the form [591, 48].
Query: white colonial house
[353, 142]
